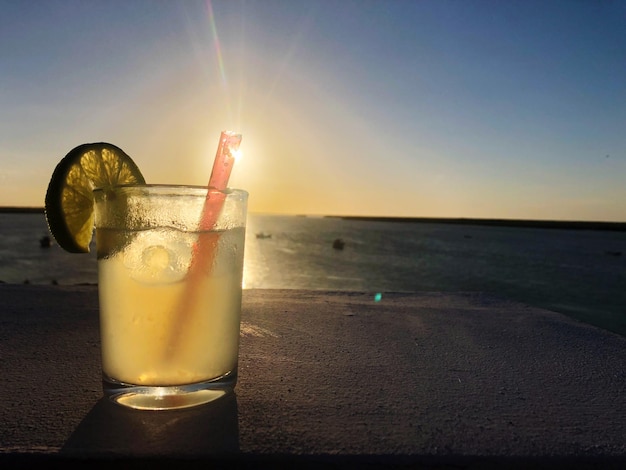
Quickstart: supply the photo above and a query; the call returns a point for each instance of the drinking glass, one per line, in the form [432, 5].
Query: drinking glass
[170, 266]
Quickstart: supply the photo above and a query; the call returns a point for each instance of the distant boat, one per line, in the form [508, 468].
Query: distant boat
[45, 242]
[338, 244]
[263, 235]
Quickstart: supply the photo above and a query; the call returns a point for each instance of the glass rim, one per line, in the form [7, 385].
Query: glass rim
[191, 187]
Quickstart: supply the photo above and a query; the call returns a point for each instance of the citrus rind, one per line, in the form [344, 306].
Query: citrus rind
[69, 203]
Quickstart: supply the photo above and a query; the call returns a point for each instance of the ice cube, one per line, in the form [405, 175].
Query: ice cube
[158, 256]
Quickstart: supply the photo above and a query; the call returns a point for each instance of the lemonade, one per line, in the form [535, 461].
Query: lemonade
[142, 279]
[170, 292]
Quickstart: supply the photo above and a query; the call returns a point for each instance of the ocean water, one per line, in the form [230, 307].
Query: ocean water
[575, 272]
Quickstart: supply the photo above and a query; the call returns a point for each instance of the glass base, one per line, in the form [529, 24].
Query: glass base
[142, 397]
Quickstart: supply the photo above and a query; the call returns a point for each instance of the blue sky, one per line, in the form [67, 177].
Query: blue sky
[505, 109]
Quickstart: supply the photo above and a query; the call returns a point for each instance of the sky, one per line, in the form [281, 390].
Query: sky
[412, 108]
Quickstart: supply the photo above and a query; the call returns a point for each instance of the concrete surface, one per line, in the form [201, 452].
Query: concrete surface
[329, 378]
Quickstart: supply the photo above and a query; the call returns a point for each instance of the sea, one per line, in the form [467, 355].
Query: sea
[578, 272]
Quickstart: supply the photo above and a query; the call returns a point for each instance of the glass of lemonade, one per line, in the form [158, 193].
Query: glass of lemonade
[170, 292]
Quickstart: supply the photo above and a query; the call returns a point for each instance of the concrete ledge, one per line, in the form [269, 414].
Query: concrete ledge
[427, 379]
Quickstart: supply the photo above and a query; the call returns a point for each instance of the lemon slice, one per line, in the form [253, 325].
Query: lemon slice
[69, 199]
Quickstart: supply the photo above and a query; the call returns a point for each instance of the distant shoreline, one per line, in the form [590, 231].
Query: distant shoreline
[552, 224]
[527, 223]
[22, 210]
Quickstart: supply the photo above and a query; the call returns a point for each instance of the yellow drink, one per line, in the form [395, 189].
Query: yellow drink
[169, 324]
[140, 291]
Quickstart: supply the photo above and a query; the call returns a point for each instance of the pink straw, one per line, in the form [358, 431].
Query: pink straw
[222, 166]
[205, 248]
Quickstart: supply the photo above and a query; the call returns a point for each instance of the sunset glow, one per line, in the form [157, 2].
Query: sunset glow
[437, 109]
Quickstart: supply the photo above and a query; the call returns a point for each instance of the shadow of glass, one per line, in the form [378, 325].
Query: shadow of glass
[112, 430]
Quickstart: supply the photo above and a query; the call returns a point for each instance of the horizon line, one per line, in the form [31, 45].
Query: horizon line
[496, 221]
